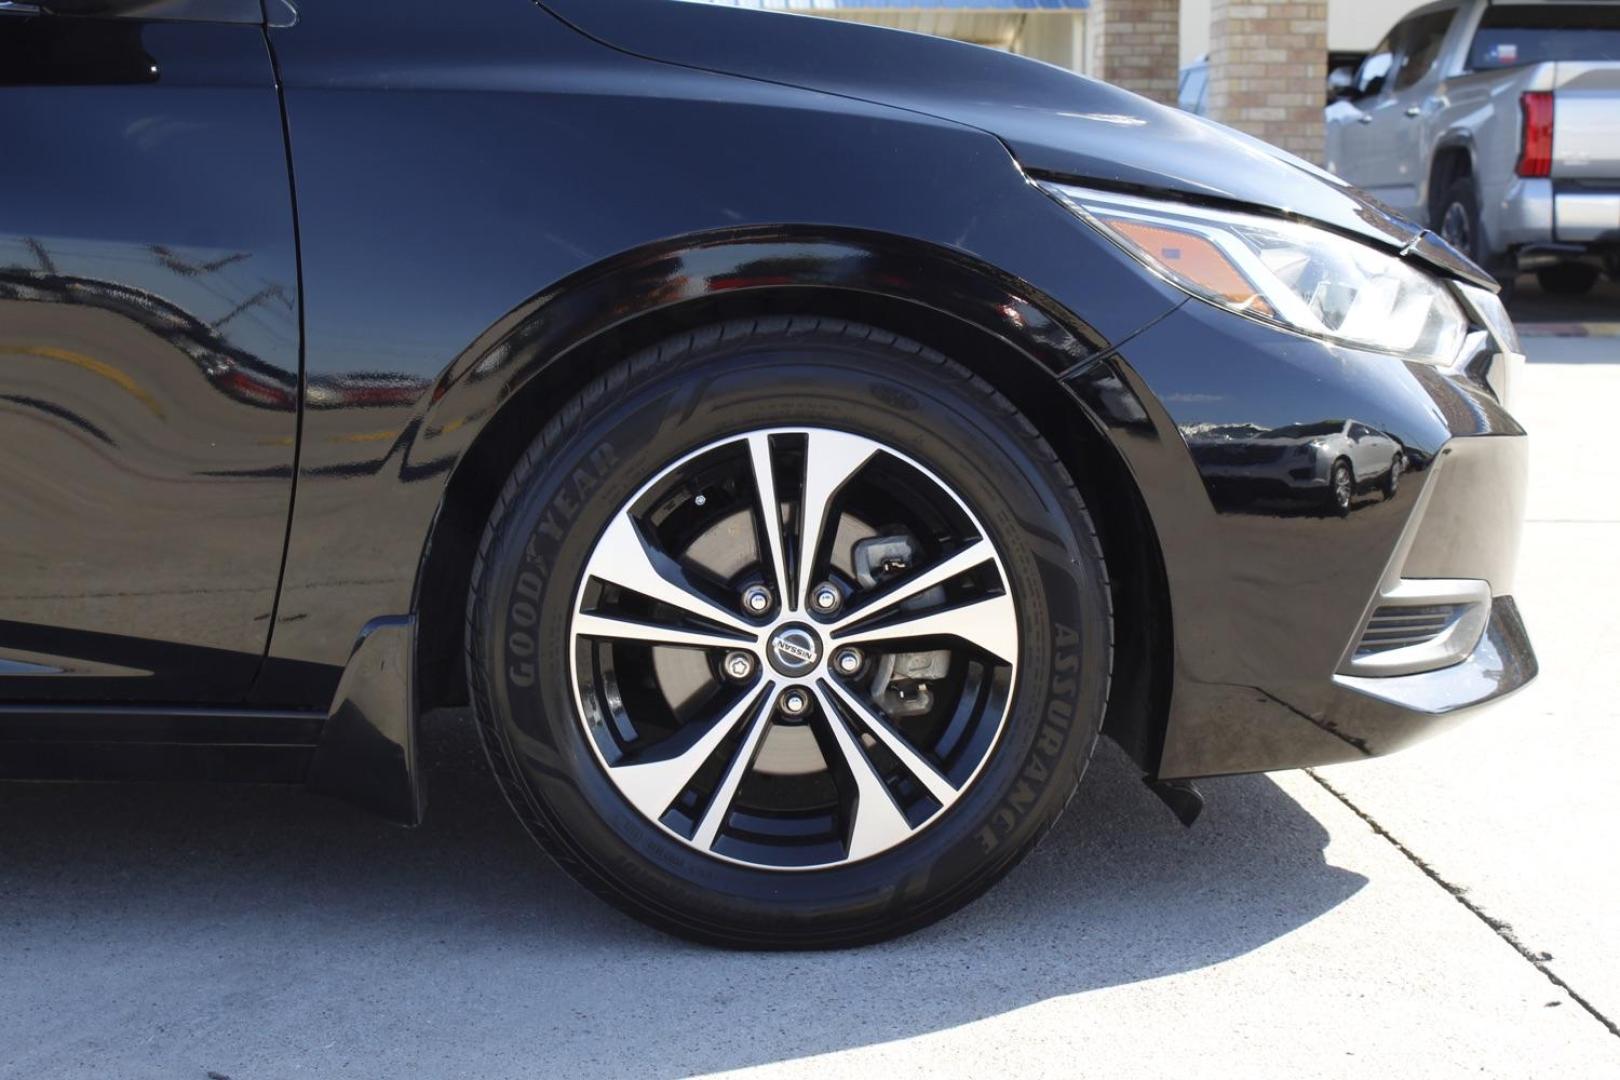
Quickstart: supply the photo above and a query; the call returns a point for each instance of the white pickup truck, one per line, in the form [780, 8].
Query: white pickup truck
[1498, 124]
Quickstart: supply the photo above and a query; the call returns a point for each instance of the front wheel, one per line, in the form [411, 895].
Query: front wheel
[1341, 487]
[789, 633]
[1392, 479]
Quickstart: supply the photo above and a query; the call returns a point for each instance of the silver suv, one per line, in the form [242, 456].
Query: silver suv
[1498, 124]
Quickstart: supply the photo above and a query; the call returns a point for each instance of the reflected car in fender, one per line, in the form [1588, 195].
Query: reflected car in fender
[1318, 465]
[790, 444]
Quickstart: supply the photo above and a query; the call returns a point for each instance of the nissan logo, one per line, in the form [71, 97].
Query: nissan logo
[794, 650]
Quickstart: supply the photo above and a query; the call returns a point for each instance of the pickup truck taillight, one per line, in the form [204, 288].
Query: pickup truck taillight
[1535, 148]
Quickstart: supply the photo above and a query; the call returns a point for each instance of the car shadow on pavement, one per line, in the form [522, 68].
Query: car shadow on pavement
[1529, 304]
[175, 929]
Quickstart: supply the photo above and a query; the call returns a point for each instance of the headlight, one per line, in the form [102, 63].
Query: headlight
[1488, 307]
[1293, 275]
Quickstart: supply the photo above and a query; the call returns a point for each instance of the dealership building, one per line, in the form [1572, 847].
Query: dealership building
[1267, 58]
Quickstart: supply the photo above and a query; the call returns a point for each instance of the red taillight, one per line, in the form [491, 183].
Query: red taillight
[1535, 155]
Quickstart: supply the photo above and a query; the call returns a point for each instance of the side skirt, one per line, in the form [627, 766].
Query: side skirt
[363, 751]
[121, 742]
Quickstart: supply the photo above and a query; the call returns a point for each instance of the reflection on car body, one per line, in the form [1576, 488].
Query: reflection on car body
[1320, 465]
[796, 445]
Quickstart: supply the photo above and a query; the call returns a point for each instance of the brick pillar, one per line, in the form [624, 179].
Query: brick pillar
[1268, 68]
[1136, 45]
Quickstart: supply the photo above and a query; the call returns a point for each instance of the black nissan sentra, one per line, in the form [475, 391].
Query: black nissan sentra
[795, 442]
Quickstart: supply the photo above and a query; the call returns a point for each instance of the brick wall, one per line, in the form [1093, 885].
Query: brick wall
[1267, 67]
[1136, 45]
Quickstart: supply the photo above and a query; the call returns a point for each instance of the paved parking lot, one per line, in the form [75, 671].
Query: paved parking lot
[1446, 912]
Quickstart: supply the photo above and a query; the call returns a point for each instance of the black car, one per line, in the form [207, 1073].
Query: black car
[797, 442]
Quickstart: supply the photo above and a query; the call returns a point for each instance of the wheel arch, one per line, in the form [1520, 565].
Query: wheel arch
[1006, 332]
[1452, 160]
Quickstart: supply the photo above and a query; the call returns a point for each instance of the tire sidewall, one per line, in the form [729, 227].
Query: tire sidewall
[922, 408]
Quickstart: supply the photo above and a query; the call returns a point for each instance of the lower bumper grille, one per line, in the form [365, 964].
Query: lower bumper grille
[1402, 627]
[1421, 625]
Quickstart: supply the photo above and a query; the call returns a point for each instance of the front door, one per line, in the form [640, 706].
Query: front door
[149, 336]
[1360, 127]
[1412, 105]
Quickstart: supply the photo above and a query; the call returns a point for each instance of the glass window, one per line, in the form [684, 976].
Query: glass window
[1191, 97]
[1510, 35]
[1374, 69]
[1320, 427]
[1420, 46]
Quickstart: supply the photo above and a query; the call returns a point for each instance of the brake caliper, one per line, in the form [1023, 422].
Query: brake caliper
[900, 680]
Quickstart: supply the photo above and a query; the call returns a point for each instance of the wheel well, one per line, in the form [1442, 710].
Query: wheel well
[1451, 163]
[1139, 699]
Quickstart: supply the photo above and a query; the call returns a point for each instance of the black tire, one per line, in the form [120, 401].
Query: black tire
[1392, 479]
[1341, 487]
[1457, 220]
[1567, 279]
[772, 372]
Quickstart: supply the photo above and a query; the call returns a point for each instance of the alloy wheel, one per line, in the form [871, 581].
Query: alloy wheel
[1343, 486]
[794, 648]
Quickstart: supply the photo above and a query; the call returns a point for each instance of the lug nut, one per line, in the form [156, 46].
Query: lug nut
[757, 599]
[847, 660]
[794, 702]
[826, 598]
[739, 665]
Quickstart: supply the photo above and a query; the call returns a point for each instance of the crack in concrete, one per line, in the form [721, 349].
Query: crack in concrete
[1539, 960]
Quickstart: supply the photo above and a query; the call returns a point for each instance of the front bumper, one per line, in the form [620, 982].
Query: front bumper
[1385, 714]
[1272, 594]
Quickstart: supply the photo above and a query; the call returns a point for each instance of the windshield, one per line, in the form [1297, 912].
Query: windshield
[1511, 35]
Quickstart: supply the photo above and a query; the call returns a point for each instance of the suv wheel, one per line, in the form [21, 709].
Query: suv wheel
[789, 633]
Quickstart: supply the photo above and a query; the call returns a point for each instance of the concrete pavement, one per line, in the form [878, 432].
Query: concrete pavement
[1516, 807]
[179, 931]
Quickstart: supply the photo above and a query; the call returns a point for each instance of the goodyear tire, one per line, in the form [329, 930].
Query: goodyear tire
[824, 731]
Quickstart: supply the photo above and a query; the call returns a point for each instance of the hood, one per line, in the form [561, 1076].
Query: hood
[1052, 120]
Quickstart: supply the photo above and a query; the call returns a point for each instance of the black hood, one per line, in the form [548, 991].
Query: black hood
[1054, 121]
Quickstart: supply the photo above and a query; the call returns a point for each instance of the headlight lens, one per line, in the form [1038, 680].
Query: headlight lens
[1488, 308]
[1282, 272]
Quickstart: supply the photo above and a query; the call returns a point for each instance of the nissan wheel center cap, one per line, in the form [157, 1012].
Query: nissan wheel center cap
[794, 650]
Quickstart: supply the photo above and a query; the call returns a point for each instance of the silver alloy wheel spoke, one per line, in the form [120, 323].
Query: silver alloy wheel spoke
[652, 785]
[943, 791]
[830, 459]
[714, 815]
[975, 554]
[623, 558]
[603, 626]
[990, 623]
[877, 822]
[770, 510]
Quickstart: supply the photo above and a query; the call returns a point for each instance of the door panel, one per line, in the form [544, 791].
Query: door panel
[1368, 122]
[1414, 105]
[148, 358]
